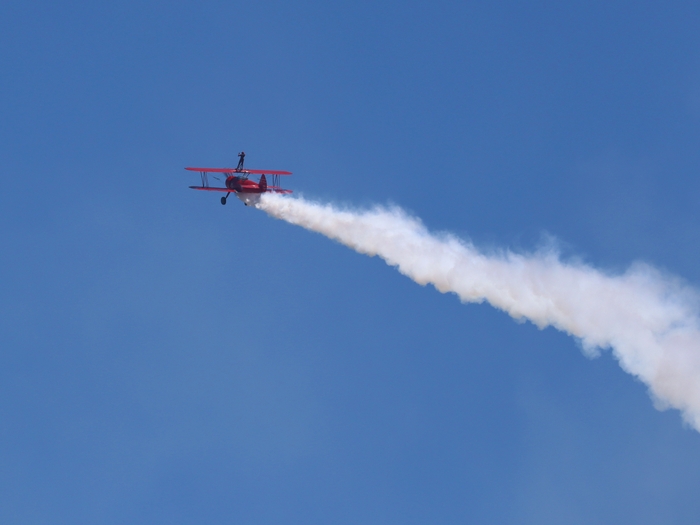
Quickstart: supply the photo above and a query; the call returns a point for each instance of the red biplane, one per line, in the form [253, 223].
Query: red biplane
[238, 182]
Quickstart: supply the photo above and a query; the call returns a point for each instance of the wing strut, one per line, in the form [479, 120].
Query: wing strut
[205, 179]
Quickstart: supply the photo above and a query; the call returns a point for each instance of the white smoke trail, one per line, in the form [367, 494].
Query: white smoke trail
[650, 321]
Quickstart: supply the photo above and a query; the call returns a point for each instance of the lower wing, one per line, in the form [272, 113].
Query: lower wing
[273, 189]
[207, 188]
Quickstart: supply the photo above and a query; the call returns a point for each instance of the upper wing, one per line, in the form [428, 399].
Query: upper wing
[231, 170]
[267, 172]
[213, 170]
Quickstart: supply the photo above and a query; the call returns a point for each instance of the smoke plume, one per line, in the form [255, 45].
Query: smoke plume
[648, 320]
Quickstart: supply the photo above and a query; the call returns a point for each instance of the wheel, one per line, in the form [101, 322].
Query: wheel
[223, 200]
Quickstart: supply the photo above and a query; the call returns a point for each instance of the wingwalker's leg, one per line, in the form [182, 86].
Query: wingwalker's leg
[223, 199]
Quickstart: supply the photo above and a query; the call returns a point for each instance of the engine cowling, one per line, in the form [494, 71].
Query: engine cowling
[233, 183]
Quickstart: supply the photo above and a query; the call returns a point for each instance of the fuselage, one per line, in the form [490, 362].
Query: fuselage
[245, 185]
[247, 190]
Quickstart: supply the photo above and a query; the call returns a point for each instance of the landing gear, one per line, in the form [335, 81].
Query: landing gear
[223, 199]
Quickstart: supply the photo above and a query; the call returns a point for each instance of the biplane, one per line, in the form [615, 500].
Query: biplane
[238, 181]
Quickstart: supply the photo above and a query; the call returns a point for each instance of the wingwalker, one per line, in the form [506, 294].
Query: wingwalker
[238, 182]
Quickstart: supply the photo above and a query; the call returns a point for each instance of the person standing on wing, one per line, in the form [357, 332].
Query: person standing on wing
[241, 156]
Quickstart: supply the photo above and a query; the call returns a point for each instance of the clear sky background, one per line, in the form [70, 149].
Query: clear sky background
[165, 359]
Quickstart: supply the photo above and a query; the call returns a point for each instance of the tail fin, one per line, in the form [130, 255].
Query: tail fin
[263, 183]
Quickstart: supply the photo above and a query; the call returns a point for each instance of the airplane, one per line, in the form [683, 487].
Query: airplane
[238, 182]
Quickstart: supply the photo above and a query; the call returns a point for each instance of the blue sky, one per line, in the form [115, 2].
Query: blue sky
[165, 359]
